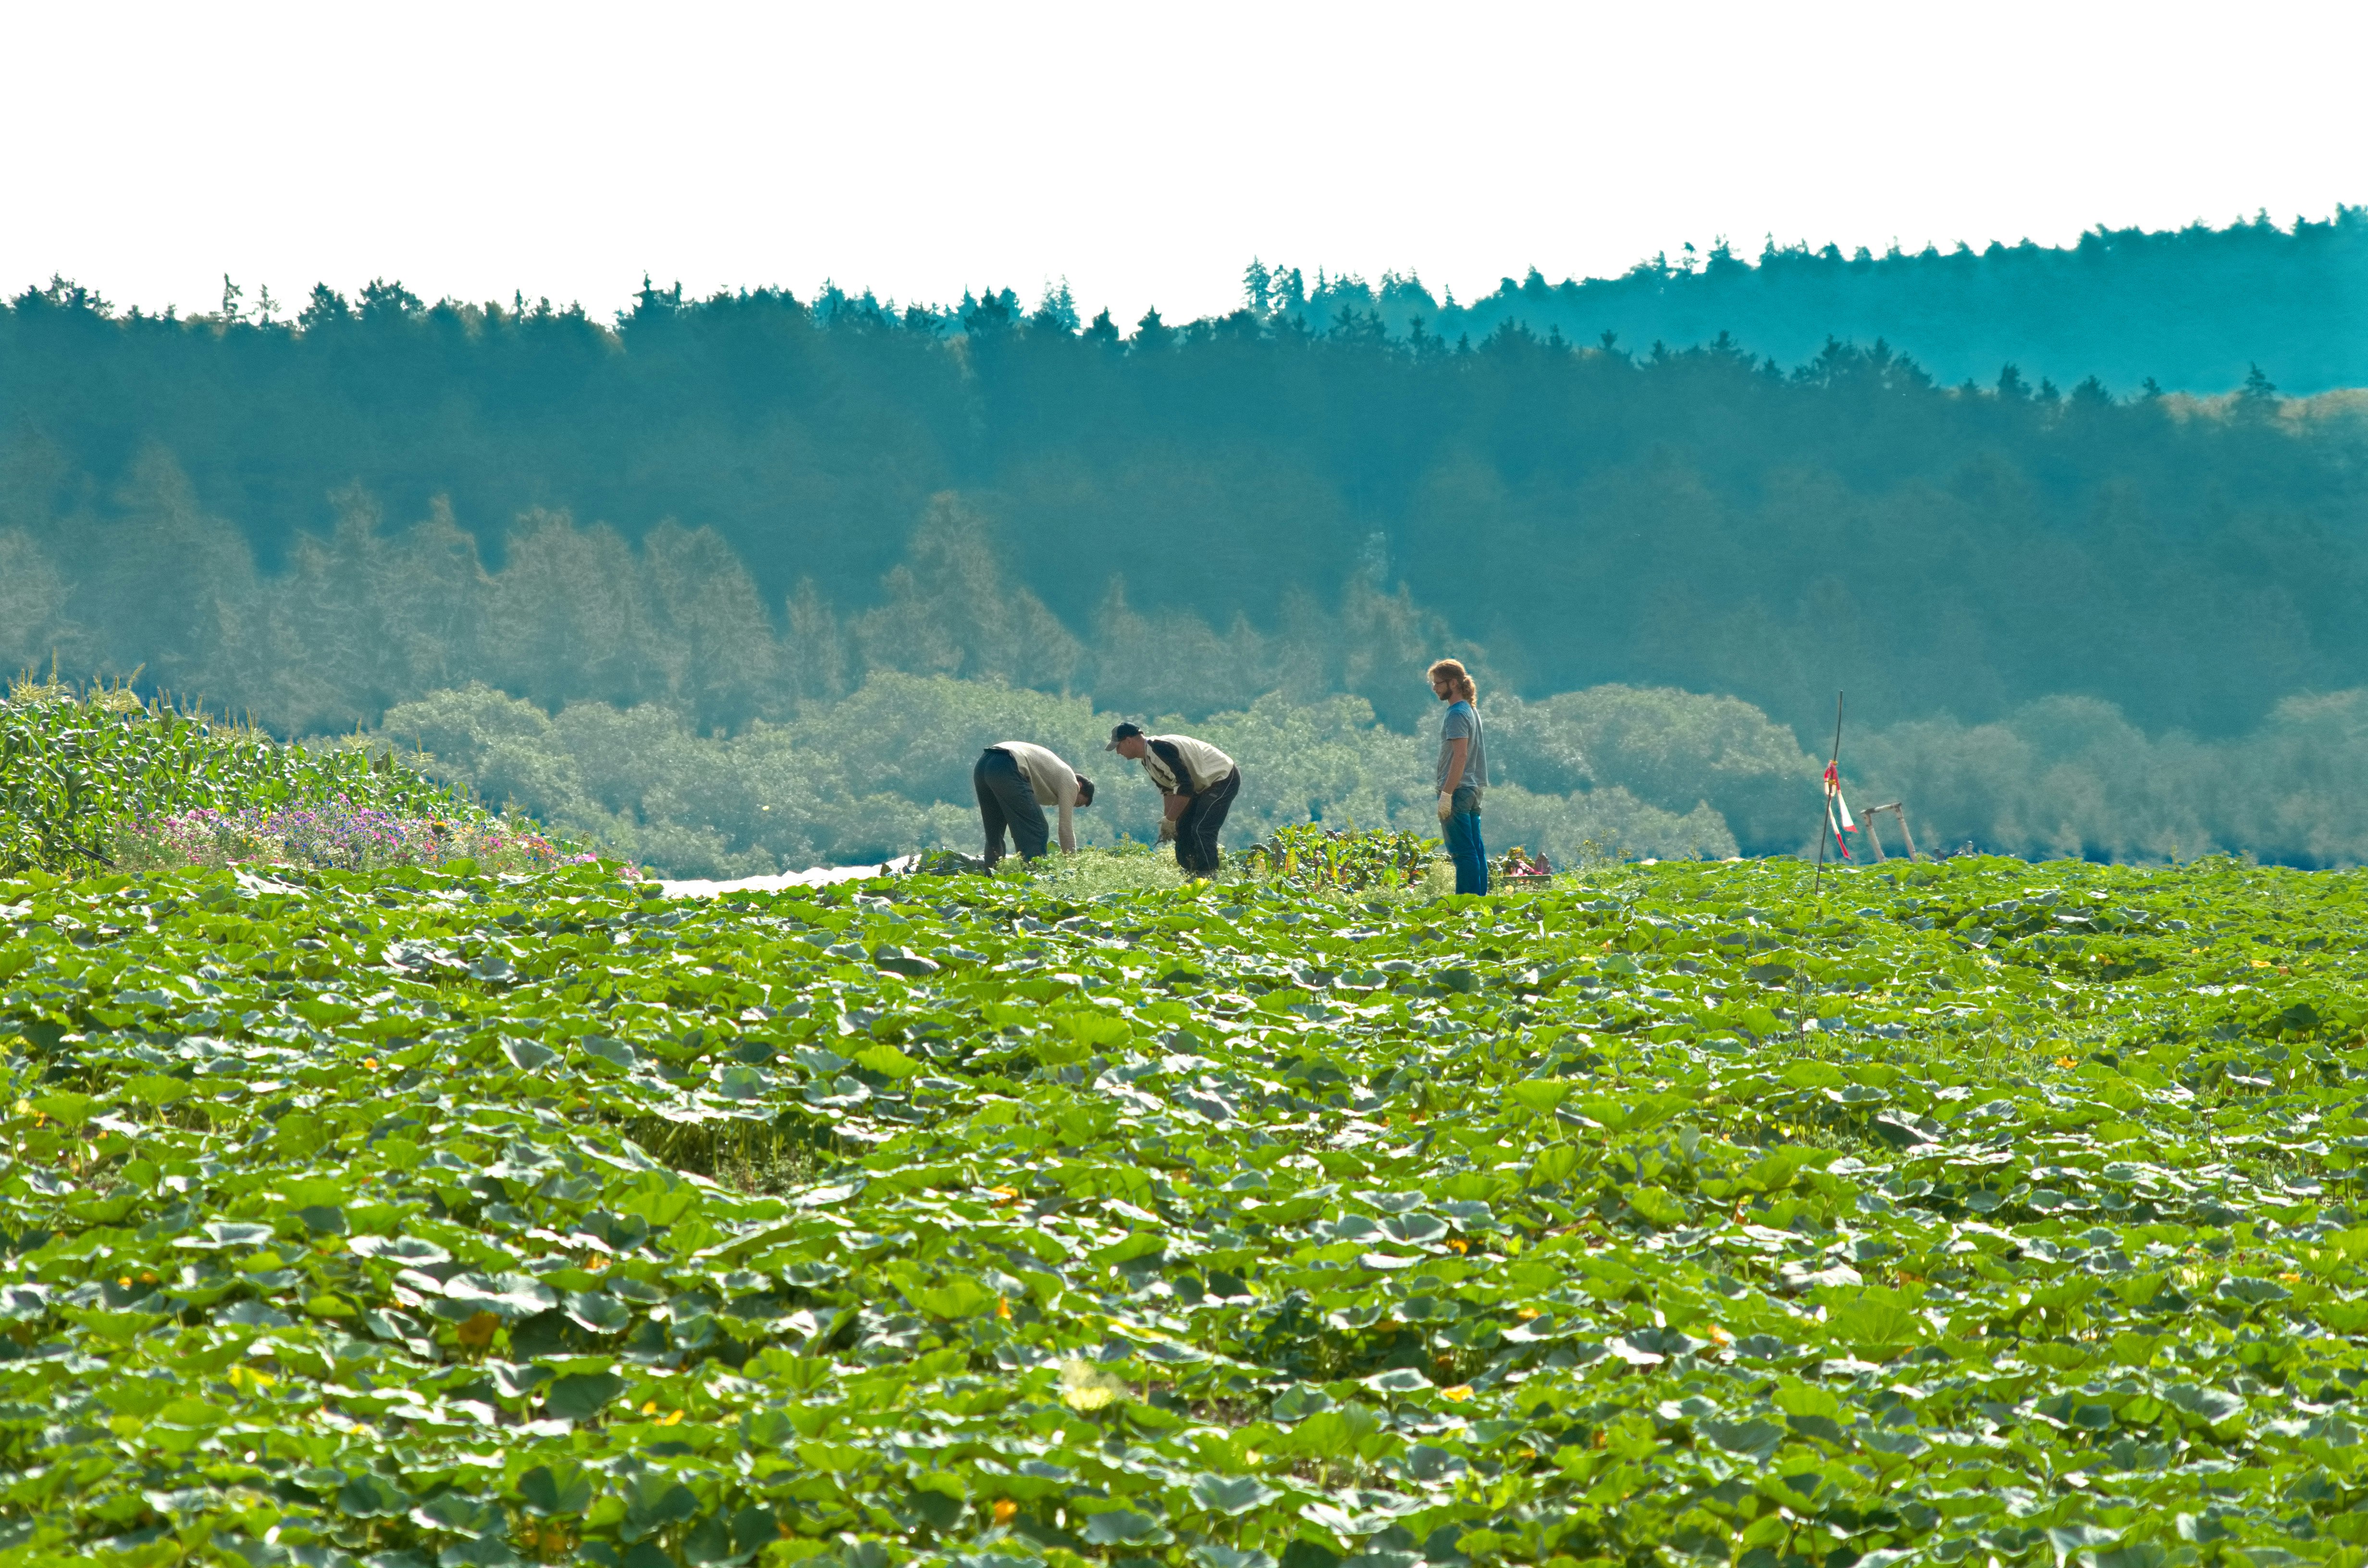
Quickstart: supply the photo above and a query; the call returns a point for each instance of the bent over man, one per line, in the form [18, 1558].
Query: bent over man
[1016, 780]
[1199, 782]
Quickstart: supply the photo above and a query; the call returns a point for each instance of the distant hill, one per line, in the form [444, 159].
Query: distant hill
[2192, 308]
[735, 502]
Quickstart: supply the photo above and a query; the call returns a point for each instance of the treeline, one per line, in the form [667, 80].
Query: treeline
[367, 618]
[195, 494]
[651, 696]
[1612, 771]
[2196, 309]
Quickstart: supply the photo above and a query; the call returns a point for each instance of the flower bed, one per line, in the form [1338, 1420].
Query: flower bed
[338, 835]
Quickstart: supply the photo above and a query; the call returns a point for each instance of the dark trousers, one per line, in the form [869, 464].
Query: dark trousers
[1006, 799]
[1196, 830]
[1463, 846]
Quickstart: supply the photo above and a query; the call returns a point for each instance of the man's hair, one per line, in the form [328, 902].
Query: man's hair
[1458, 679]
[1084, 790]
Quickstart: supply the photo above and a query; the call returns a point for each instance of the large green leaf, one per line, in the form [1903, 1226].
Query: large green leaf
[578, 1396]
[1232, 1496]
[504, 1295]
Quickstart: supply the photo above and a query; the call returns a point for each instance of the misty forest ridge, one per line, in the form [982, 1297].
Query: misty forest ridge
[2088, 564]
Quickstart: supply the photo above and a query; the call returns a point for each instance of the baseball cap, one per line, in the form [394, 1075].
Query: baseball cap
[1120, 732]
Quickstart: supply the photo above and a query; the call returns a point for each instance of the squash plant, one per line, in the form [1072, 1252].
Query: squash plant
[1976, 1213]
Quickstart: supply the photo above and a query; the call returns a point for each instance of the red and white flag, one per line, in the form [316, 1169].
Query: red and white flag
[1837, 811]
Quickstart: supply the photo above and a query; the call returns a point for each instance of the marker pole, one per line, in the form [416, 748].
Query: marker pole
[1825, 804]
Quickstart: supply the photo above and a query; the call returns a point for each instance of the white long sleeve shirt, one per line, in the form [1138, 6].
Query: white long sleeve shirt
[1054, 782]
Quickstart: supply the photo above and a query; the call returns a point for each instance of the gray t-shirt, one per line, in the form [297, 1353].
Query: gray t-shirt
[1462, 722]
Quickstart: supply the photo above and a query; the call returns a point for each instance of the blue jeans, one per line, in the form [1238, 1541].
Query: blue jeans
[1006, 799]
[1463, 846]
[1196, 831]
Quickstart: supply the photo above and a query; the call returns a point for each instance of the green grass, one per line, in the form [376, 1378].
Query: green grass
[1978, 1212]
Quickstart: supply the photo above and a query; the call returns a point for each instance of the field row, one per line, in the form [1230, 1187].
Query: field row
[1982, 1210]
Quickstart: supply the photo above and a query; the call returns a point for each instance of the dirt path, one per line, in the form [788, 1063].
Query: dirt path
[818, 876]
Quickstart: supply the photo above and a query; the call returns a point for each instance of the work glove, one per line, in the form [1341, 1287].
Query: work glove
[1446, 807]
[1167, 830]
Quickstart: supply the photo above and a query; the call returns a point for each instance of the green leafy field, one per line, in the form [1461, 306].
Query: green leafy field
[74, 771]
[103, 779]
[1982, 1211]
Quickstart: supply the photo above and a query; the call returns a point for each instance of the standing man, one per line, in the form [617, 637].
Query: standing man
[1016, 780]
[1199, 782]
[1462, 774]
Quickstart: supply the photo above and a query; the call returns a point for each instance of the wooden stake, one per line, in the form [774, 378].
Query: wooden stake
[1899, 811]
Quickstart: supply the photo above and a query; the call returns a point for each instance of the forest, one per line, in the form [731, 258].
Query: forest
[2196, 308]
[643, 699]
[2068, 616]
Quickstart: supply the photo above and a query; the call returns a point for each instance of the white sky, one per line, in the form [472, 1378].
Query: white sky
[1144, 151]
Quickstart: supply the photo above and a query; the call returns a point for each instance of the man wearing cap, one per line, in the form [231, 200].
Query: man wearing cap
[1016, 780]
[1199, 782]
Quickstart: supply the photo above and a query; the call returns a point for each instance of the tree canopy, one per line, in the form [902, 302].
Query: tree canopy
[719, 498]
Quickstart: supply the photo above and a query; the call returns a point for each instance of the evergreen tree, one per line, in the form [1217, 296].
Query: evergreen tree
[323, 308]
[35, 633]
[567, 617]
[1056, 313]
[950, 610]
[814, 656]
[172, 591]
[1152, 336]
[710, 637]
[1257, 291]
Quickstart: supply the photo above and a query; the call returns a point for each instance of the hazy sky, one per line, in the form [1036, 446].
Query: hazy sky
[1145, 152]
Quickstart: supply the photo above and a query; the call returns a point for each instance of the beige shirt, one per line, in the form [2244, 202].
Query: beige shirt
[1206, 765]
[1054, 782]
